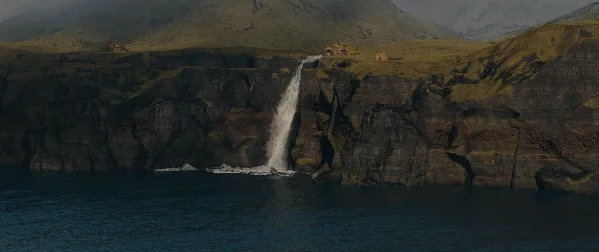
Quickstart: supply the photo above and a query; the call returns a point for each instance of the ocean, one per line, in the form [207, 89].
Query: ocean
[199, 211]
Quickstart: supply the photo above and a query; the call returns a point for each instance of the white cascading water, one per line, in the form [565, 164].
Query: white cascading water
[279, 134]
[281, 125]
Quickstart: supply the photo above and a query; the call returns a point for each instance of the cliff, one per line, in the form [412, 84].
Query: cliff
[141, 111]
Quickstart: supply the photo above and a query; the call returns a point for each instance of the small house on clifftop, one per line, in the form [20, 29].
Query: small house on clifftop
[381, 56]
[114, 46]
[339, 49]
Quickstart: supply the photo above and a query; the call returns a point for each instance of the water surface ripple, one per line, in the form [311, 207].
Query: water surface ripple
[216, 212]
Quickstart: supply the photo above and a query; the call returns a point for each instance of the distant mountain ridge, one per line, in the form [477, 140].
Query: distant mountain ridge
[587, 13]
[485, 19]
[584, 14]
[273, 24]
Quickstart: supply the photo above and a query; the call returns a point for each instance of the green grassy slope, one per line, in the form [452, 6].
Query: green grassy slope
[304, 25]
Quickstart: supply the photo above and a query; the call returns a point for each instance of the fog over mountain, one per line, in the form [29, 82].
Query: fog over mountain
[10, 8]
[7, 7]
[484, 19]
[157, 24]
[474, 19]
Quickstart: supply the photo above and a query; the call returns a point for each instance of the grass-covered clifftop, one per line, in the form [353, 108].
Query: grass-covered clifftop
[473, 70]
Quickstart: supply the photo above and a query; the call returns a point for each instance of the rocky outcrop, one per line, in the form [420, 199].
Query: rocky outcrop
[385, 130]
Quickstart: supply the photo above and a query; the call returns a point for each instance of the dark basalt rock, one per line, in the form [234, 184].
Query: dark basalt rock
[384, 130]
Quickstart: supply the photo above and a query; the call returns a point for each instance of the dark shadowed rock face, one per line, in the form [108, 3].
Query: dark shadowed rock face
[384, 130]
[545, 135]
[138, 117]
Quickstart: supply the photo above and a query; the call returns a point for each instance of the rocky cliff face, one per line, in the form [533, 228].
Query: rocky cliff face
[207, 110]
[544, 135]
[86, 117]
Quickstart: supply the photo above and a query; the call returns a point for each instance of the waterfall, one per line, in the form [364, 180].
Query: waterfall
[281, 125]
[279, 134]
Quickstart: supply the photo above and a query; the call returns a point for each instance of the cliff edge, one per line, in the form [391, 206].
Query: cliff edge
[508, 115]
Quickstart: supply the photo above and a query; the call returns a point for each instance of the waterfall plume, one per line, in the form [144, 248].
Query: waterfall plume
[283, 119]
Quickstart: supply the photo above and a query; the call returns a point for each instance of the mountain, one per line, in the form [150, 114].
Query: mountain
[587, 13]
[484, 19]
[168, 24]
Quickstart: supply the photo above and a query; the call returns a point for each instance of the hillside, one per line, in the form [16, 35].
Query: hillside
[486, 19]
[474, 70]
[159, 24]
[496, 68]
[587, 13]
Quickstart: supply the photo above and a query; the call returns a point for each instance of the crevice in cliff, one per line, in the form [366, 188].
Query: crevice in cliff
[465, 163]
[333, 119]
[295, 128]
[327, 151]
[504, 113]
[355, 83]
[29, 147]
[550, 147]
[413, 159]
[109, 149]
[43, 129]
[419, 97]
[3, 87]
[32, 139]
[174, 134]
[453, 135]
[323, 105]
[541, 186]
[515, 162]
[248, 83]
[380, 163]
[142, 155]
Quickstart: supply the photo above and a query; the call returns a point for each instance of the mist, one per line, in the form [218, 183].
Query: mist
[466, 16]
[474, 19]
[11, 8]
[441, 11]
[438, 11]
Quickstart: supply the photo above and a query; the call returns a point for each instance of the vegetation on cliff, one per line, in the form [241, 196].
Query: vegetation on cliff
[474, 70]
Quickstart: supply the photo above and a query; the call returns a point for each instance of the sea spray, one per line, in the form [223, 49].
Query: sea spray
[281, 125]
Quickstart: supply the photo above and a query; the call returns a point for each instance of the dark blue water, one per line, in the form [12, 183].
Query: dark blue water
[209, 212]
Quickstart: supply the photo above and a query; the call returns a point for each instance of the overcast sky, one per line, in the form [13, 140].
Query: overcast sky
[439, 11]
[11, 7]
[6, 6]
